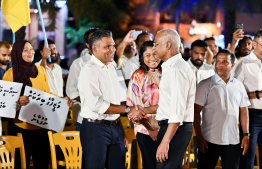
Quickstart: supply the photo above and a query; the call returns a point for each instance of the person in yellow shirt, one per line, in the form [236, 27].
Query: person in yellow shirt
[24, 71]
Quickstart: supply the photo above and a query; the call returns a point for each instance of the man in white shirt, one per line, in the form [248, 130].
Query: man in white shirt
[72, 80]
[102, 136]
[133, 63]
[221, 99]
[53, 70]
[196, 62]
[175, 111]
[249, 72]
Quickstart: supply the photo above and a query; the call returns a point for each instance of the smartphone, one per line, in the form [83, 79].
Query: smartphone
[135, 34]
[239, 26]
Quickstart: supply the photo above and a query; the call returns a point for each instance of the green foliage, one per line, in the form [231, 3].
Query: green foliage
[103, 13]
[76, 35]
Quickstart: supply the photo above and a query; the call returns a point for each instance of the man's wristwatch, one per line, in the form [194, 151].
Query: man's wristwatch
[127, 109]
[257, 94]
[246, 134]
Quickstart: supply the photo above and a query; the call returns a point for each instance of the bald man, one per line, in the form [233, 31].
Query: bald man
[175, 111]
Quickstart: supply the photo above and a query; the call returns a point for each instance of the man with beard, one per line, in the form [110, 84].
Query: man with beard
[244, 47]
[5, 54]
[202, 70]
[125, 50]
[53, 70]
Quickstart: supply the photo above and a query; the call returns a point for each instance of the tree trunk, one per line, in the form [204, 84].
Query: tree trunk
[230, 20]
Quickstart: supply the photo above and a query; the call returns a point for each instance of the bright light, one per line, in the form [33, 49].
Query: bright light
[60, 3]
[62, 57]
[221, 36]
[35, 11]
[29, 1]
[47, 1]
[218, 24]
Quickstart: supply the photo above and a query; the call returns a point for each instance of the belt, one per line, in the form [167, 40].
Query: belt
[107, 122]
[163, 122]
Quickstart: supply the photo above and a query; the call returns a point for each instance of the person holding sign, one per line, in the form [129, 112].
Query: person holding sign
[24, 71]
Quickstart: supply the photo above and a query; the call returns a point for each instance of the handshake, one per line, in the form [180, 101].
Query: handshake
[136, 113]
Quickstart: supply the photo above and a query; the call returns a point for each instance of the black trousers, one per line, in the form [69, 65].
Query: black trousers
[177, 145]
[230, 156]
[36, 145]
[103, 146]
[148, 149]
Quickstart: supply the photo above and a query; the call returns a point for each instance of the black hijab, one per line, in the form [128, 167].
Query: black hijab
[22, 70]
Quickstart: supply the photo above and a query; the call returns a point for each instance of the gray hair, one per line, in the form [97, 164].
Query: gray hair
[172, 36]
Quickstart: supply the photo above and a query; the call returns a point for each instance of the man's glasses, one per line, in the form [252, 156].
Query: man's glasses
[257, 43]
[156, 44]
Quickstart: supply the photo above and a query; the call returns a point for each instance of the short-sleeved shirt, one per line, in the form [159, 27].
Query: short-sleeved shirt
[221, 103]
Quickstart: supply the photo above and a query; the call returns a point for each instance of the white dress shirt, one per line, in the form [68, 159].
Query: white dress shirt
[176, 91]
[204, 72]
[72, 81]
[220, 114]
[249, 71]
[55, 78]
[130, 66]
[98, 86]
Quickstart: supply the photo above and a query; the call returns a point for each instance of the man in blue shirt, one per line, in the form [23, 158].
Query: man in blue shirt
[5, 56]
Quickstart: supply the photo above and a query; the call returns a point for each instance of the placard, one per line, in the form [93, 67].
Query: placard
[44, 110]
[9, 95]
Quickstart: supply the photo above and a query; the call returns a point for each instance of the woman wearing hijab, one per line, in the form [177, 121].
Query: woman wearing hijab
[24, 71]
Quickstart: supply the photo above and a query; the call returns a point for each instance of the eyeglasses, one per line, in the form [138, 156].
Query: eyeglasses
[257, 43]
[156, 44]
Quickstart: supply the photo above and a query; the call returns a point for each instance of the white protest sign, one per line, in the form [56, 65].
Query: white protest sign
[9, 94]
[44, 110]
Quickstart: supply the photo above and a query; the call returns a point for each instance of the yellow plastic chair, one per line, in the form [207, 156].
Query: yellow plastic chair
[7, 150]
[71, 147]
[130, 137]
[70, 124]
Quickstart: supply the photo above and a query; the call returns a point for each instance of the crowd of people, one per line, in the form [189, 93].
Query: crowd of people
[216, 91]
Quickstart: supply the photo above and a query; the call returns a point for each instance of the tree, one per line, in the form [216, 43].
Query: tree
[106, 14]
[230, 8]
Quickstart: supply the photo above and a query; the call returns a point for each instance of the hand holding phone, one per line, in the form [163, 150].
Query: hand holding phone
[239, 26]
[135, 34]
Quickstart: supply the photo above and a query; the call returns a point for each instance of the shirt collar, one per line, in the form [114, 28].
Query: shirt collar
[252, 56]
[171, 60]
[98, 62]
[217, 78]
